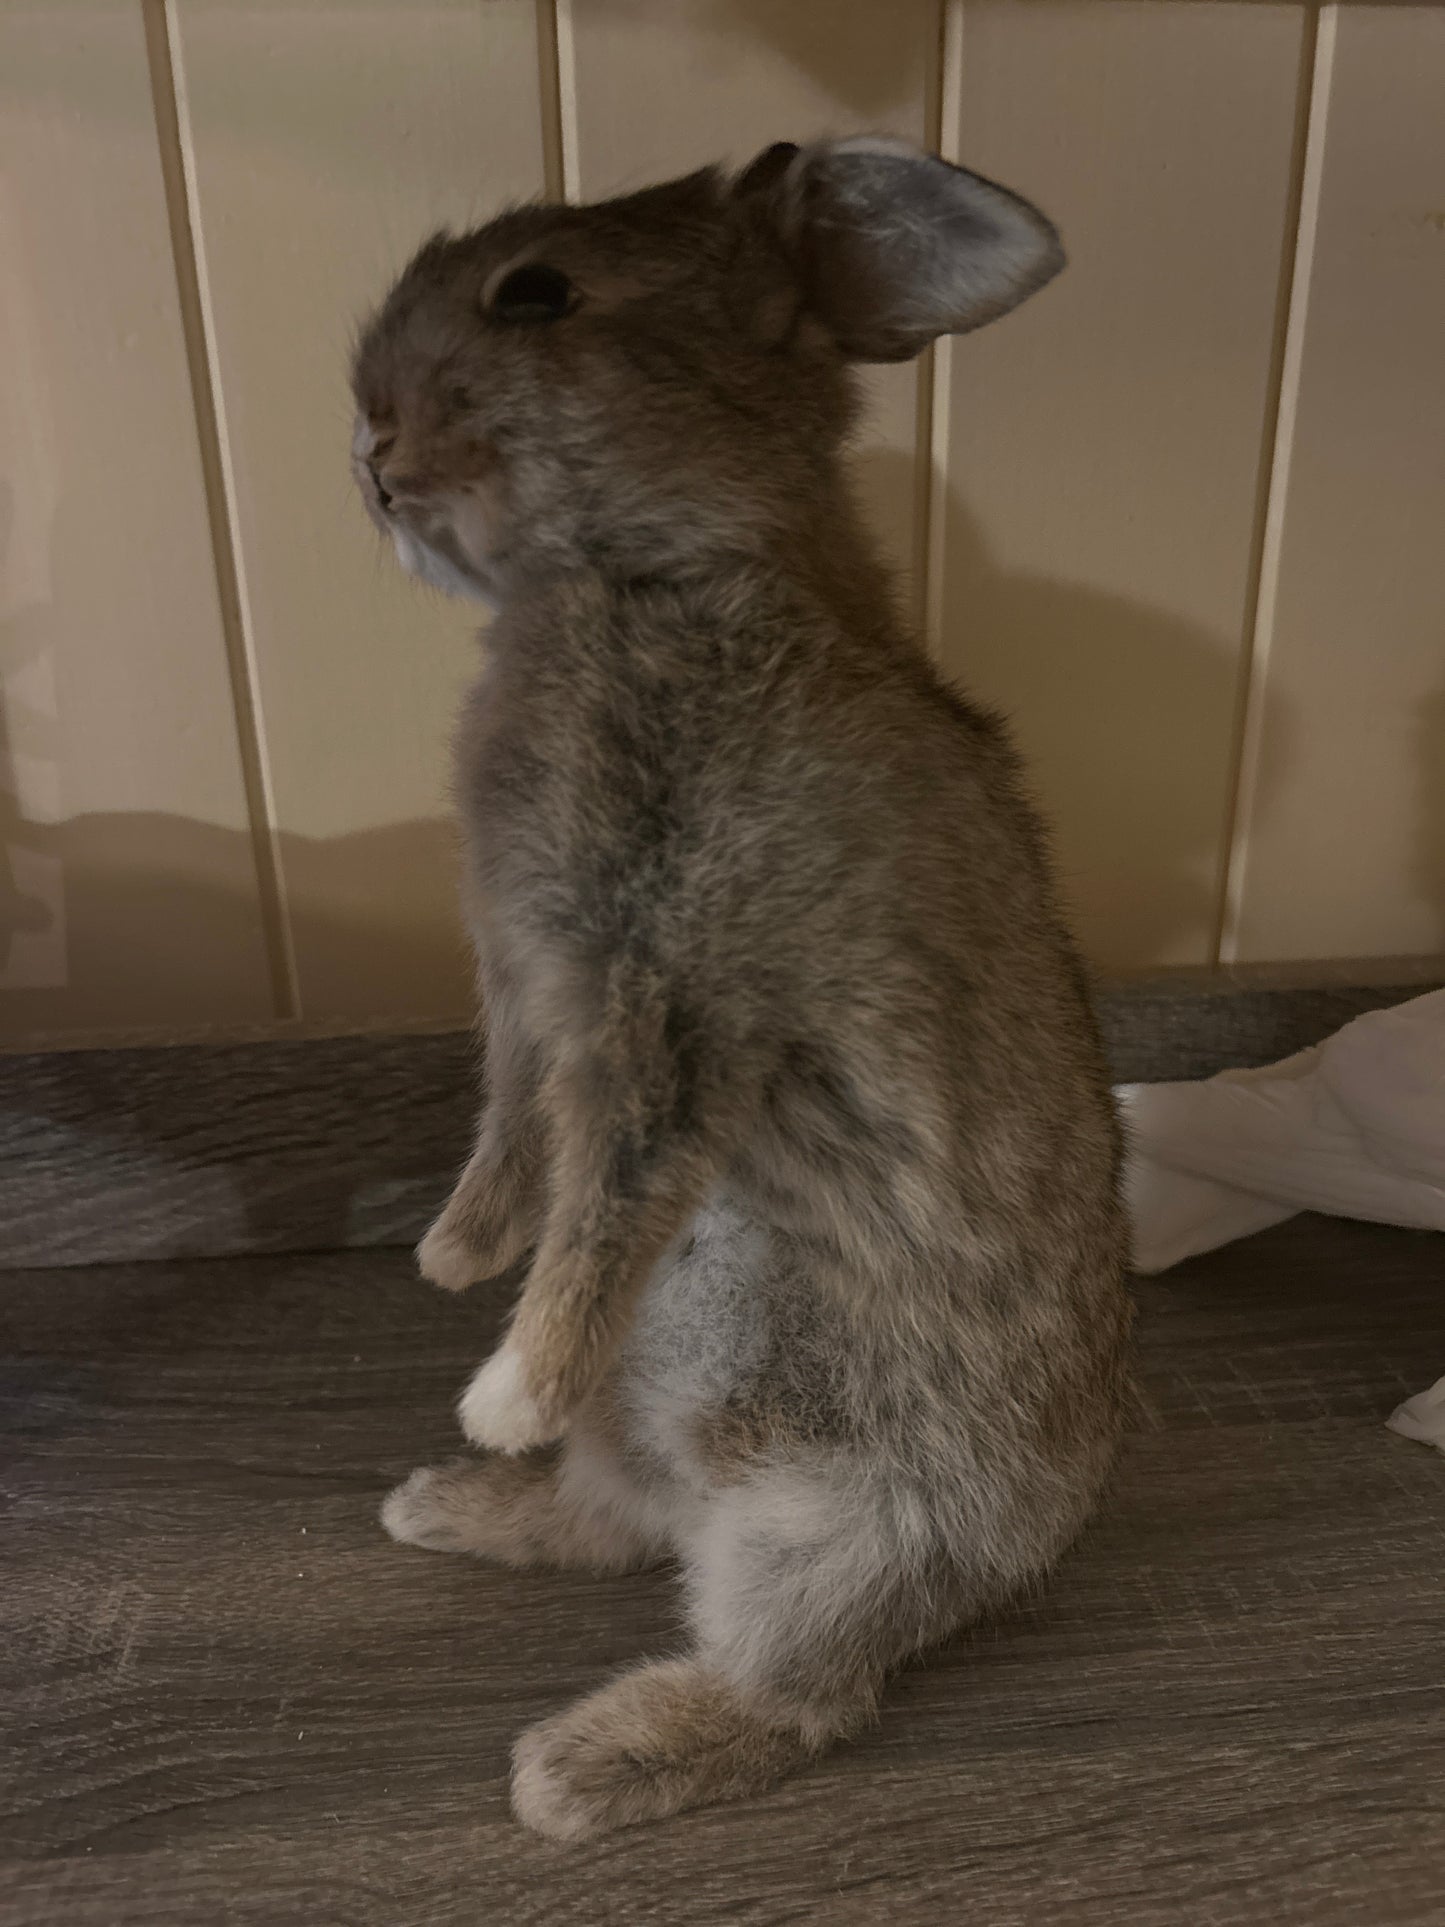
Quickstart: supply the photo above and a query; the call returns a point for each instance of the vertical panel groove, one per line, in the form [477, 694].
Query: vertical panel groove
[926, 420]
[550, 82]
[1317, 66]
[167, 96]
[934, 444]
[565, 44]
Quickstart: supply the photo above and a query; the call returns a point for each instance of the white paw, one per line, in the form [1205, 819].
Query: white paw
[498, 1411]
[447, 1260]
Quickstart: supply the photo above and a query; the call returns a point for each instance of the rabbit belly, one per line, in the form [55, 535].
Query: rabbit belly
[699, 1340]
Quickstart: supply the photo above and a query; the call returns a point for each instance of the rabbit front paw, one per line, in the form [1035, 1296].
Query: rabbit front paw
[445, 1259]
[498, 1410]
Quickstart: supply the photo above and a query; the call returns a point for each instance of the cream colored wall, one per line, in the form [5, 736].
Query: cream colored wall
[1181, 517]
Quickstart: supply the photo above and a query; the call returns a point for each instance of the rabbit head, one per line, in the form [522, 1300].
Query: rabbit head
[656, 380]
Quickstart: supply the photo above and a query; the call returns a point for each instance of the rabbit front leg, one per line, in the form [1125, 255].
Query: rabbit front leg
[633, 1160]
[493, 1214]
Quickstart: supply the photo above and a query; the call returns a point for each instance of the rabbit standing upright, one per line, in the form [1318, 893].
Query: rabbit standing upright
[792, 1088]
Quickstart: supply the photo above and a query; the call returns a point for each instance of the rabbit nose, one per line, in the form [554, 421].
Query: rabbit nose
[383, 493]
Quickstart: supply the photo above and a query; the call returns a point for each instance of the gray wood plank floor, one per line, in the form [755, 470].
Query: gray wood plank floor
[229, 1698]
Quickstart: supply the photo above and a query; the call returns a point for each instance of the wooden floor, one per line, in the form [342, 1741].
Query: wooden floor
[230, 1699]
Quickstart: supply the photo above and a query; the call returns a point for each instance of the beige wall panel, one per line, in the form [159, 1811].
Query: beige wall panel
[655, 87]
[325, 141]
[1100, 474]
[128, 889]
[1341, 847]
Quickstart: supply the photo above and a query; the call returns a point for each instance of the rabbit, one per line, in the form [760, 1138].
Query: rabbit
[793, 1096]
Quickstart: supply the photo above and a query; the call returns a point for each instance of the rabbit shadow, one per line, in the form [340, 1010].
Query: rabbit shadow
[160, 934]
[858, 55]
[149, 920]
[1127, 718]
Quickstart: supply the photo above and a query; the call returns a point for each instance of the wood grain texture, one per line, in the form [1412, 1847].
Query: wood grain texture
[228, 1697]
[656, 87]
[322, 148]
[205, 1150]
[1096, 523]
[128, 886]
[1342, 830]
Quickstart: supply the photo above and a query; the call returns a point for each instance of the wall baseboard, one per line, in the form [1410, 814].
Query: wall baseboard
[209, 1149]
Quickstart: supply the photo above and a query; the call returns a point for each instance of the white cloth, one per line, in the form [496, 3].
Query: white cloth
[1422, 1417]
[1354, 1126]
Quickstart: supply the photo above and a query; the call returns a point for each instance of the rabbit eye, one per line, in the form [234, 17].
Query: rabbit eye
[534, 293]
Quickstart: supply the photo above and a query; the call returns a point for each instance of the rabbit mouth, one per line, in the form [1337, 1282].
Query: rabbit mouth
[445, 543]
[445, 536]
[436, 560]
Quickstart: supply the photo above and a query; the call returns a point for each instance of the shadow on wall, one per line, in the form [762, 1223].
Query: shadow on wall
[854, 52]
[1126, 717]
[118, 1154]
[160, 924]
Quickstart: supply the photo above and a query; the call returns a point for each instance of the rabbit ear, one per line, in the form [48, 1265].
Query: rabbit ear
[898, 247]
[766, 170]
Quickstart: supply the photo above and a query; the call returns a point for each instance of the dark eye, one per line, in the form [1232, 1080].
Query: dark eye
[533, 293]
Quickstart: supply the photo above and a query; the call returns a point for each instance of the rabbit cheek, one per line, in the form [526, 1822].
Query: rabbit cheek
[464, 536]
[432, 558]
[450, 542]
[475, 517]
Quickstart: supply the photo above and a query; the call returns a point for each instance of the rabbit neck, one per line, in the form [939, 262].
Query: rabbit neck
[814, 546]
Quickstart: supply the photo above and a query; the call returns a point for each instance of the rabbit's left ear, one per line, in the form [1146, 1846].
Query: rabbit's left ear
[897, 247]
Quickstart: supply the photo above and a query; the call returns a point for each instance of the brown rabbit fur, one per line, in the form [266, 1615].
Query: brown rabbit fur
[792, 1088]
